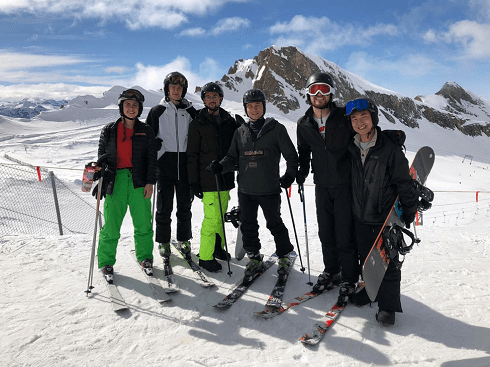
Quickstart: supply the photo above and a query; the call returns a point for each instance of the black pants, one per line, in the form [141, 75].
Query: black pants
[389, 292]
[165, 203]
[334, 217]
[271, 207]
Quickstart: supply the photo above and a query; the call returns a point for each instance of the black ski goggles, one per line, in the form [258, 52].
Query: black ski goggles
[356, 105]
[133, 94]
[178, 79]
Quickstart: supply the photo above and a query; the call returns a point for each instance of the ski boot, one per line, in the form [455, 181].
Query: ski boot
[108, 272]
[147, 266]
[345, 293]
[210, 265]
[164, 249]
[282, 266]
[385, 318]
[326, 281]
[186, 248]
[254, 266]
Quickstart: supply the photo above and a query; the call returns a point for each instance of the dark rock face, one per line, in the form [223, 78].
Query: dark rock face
[282, 73]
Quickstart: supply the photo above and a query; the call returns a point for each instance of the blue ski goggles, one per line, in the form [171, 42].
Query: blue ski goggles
[356, 105]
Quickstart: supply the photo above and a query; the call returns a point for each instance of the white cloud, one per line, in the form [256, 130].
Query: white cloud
[361, 63]
[473, 37]
[151, 77]
[320, 34]
[193, 32]
[166, 14]
[222, 26]
[13, 61]
[116, 70]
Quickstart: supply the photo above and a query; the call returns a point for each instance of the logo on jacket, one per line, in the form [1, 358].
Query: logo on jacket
[253, 152]
[252, 164]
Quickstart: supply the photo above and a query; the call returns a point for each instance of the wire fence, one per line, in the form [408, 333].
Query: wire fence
[34, 201]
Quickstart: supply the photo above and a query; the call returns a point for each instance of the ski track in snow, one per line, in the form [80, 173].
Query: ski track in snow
[48, 320]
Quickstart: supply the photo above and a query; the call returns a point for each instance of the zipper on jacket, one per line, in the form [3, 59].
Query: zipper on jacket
[178, 142]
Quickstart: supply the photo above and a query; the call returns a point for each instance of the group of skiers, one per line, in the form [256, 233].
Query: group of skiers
[358, 172]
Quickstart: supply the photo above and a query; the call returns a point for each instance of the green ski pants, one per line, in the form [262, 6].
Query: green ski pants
[115, 207]
[211, 224]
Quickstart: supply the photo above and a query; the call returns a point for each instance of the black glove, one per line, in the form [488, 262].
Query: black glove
[408, 218]
[107, 184]
[158, 144]
[286, 180]
[215, 167]
[300, 178]
[197, 190]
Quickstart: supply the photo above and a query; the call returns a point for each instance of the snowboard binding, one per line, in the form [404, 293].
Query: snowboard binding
[394, 242]
[233, 216]
[425, 195]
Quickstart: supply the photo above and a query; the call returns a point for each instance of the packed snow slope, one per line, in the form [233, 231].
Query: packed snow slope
[48, 320]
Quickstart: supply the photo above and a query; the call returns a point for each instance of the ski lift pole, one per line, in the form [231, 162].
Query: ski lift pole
[301, 192]
[294, 228]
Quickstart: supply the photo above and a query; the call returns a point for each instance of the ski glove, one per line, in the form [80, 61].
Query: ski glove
[408, 218]
[215, 167]
[286, 180]
[300, 178]
[158, 143]
[197, 190]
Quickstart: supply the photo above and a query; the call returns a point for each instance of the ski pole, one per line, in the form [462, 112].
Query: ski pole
[301, 191]
[223, 223]
[294, 228]
[92, 256]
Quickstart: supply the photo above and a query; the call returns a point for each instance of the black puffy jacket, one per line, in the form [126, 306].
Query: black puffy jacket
[208, 141]
[144, 153]
[329, 157]
[384, 176]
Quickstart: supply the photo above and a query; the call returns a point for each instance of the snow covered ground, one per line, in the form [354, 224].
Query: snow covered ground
[48, 320]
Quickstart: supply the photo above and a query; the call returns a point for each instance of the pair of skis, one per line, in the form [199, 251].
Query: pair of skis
[275, 298]
[160, 290]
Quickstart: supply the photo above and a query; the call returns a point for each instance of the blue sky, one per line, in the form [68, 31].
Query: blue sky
[63, 48]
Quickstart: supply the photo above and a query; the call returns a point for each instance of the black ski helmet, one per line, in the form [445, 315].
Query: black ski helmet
[320, 78]
[175, 78]
[132, 94]
[253, 95]
[363, 104]
[211, 87]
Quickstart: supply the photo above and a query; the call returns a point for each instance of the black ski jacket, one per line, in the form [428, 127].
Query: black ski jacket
[258, 159]
[329, 157]
[208, 141]
[144, 153]
[384, 176]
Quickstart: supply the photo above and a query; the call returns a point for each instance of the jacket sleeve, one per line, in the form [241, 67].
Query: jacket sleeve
[153, 118]
[103, 140]
[288, 151]
[231, 159]
[304, 149]
[151, 158]
[193, 151]
[400, 177]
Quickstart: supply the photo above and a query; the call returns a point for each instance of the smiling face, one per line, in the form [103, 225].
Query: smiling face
[212, 100]
[255, 110]
[175, 92]
[319, 100]
[131, 108]
[362, 124]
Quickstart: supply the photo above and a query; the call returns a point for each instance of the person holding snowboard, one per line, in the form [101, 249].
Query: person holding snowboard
[256, 149]
[210, 135]
[130, 156]
[380, 173]
[323, 135]
[170, 121]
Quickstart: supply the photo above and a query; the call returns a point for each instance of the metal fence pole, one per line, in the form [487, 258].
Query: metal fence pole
[55, 196]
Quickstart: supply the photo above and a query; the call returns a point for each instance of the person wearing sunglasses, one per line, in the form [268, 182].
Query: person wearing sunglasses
[210, 135]
[380, 173]
[128, 146]
[256, 150]
[170, 121]
[323, 135]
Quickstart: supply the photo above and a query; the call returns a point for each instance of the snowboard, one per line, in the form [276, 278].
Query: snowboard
[378, 259]
[233, 216]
